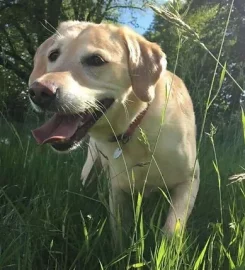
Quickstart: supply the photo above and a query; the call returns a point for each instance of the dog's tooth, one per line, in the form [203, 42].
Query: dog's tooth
[80, 124]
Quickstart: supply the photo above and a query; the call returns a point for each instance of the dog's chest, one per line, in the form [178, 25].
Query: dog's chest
[133, 164]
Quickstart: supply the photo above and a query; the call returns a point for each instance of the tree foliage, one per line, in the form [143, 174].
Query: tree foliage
[208, 18]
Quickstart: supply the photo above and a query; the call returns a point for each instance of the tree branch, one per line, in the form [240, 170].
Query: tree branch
[11, 66]
[90, 14]
[28, 42]
[8, 38]
[106, 9]
[13, 52]
[129, 7]
[53, 12]
[16, 57]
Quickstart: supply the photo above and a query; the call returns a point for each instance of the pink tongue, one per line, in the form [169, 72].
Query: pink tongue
[59, 127]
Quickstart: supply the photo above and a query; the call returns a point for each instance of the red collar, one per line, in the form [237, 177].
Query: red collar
[124, 137]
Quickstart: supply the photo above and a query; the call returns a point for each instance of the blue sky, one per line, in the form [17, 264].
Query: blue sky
[144, 18]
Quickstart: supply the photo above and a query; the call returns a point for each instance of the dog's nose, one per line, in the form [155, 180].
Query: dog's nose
[42, 94]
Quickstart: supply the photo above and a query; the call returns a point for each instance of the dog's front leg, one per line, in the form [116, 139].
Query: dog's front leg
[183, 197]
[121, 216]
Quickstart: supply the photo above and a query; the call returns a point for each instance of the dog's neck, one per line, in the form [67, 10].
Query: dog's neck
[121, 118]
[125, 136]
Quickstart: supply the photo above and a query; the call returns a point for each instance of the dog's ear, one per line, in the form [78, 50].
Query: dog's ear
[146, 62]
[40, 60]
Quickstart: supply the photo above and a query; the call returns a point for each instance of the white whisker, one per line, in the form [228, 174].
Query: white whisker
[56, 31]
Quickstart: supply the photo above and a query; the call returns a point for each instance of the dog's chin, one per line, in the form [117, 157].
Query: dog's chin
[65, 132]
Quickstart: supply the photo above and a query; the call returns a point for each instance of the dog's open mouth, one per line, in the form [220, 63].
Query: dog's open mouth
[64, 131]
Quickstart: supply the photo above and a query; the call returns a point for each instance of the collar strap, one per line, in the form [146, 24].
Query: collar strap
[124, 137]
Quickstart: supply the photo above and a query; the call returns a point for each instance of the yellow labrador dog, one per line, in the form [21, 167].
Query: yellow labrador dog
[112, 84]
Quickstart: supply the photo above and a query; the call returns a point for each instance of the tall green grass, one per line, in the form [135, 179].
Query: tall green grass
[48, 220]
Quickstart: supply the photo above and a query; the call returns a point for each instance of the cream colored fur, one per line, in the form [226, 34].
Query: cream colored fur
[134, 76]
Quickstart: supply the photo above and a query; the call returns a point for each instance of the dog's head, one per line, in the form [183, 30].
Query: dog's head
[83, 70]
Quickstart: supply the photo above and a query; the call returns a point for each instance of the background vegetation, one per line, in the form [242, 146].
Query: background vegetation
[48, 220]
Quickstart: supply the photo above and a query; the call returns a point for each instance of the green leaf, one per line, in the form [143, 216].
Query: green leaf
[231, 263]
[136, 265]
[222, 75]
[138, 207]
[161, 253]
[201, 256]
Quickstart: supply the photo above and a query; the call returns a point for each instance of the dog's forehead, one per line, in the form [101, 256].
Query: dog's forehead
[105, 37]
[101, 34]
[82, 35]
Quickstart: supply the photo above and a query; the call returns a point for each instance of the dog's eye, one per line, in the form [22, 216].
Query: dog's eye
[54, 55]
[95, 60]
